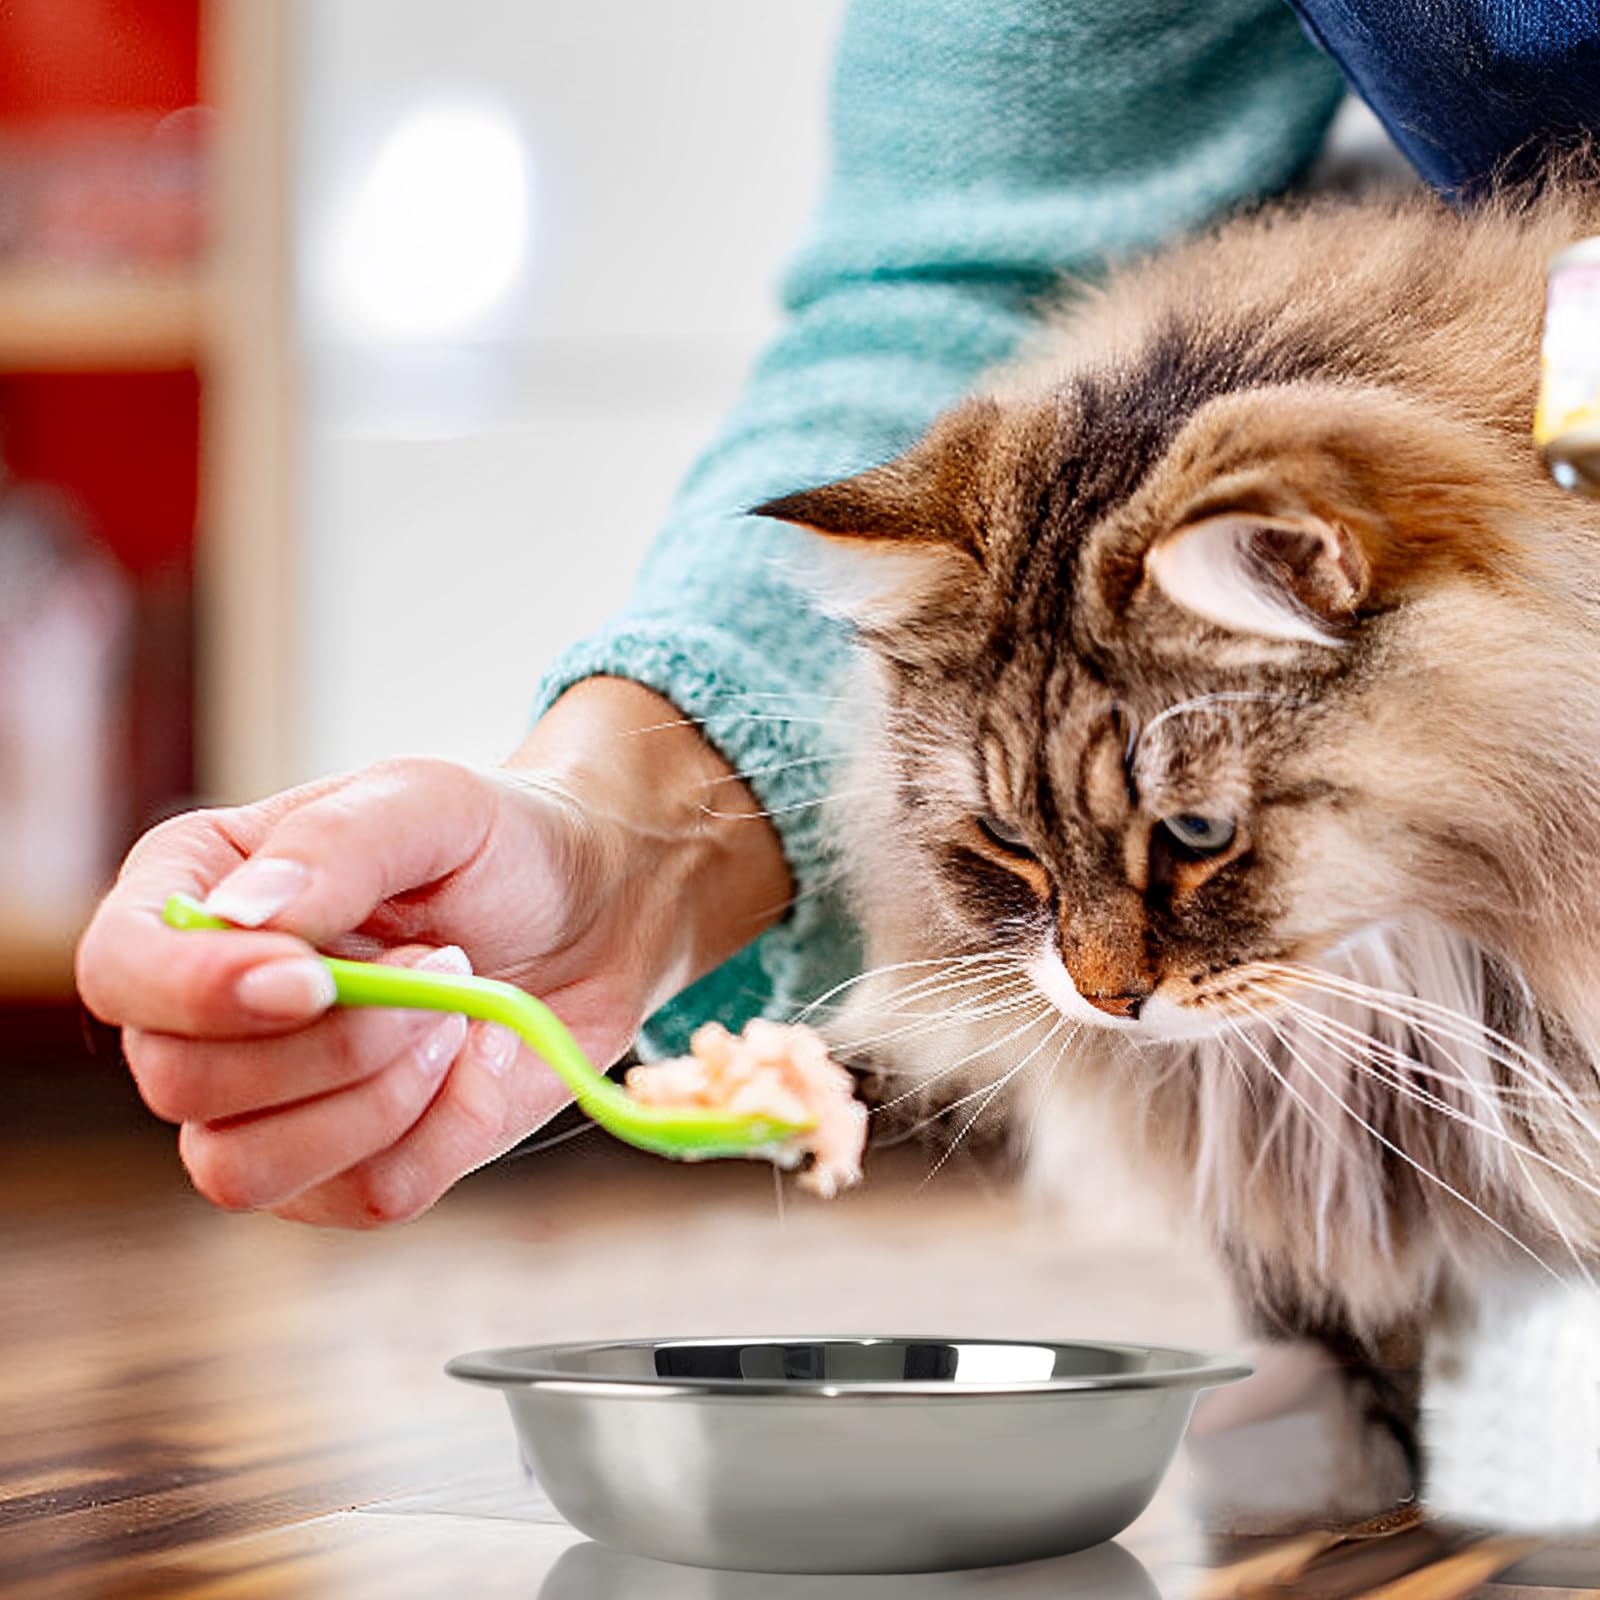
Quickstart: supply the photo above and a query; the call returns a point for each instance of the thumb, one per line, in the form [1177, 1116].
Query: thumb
[326, 866]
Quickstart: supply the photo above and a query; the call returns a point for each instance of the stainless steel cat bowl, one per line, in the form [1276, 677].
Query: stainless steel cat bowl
[848, 1455]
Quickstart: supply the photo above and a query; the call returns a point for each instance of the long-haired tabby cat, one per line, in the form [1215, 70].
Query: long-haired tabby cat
[1235, 668]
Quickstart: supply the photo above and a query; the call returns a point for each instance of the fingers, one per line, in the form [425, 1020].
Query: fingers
[207, 1080]
[347, 1117]
[325, 866]
[497, 1092]
[346, 1087]
[263, 1160]
[315, 861]
[133, 969]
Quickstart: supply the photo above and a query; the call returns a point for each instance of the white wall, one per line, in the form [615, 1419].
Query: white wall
[473, 507]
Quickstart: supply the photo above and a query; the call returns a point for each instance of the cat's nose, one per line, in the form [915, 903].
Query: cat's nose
[1119, 1005]
[1104, 938]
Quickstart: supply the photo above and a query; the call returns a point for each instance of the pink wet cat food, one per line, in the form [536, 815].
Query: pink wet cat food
[781, 1070]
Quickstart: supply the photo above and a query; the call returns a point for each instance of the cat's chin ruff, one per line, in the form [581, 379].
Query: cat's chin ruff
[1314, 1175]
[1308, 1194]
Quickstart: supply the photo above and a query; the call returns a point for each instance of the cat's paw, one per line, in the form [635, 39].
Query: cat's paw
[1511, 1413]
[1295, 1446]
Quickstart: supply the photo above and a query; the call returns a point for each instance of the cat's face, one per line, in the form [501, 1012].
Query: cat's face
[1169, 702]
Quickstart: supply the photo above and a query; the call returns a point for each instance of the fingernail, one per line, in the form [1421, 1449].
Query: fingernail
[442, 1046]
[497, 1049]
[257, 891]
[296, 987]
[447, 958]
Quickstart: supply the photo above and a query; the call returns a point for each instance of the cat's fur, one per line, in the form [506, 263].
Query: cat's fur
[1258, 532]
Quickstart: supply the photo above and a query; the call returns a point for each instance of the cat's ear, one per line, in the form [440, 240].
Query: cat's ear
[929, 496]
[896, 504]
[1294, 578]
[899, 539]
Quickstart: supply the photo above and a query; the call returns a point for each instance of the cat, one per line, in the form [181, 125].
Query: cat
[1231, 774]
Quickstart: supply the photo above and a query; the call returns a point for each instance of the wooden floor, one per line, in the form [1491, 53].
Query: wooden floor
[201, 1405]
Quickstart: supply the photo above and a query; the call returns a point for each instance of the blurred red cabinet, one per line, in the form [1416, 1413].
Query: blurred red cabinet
[143, 326]
[63, 58]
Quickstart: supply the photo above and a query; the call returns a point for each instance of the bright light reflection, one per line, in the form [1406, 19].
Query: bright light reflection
[438, 230]
[1003, 1363]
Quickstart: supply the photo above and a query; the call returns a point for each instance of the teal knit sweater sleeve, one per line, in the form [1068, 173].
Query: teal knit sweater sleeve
[981, 148]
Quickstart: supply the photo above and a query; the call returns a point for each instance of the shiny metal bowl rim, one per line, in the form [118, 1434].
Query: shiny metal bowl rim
[517, 1366]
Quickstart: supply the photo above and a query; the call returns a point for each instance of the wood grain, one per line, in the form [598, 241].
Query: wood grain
[231, 1408]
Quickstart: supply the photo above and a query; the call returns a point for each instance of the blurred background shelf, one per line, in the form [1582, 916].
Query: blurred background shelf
[101, 321]
[36, 957]
[147, 497]
[298, 297]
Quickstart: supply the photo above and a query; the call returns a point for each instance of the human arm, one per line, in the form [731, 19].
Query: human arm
[980, 151]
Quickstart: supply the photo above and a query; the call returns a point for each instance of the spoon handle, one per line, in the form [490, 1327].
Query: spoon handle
[688, 1133]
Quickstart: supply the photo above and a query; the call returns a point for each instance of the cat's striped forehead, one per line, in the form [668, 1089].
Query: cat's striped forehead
[1064, 462]
[1075, 750]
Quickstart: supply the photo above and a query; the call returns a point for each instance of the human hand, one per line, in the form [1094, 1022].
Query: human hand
[588, 870]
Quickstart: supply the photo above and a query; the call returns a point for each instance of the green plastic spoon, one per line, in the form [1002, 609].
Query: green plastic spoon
[686, 1133]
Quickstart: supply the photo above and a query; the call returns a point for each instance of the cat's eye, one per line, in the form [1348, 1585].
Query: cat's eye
[1200, 835]
[1002, 833]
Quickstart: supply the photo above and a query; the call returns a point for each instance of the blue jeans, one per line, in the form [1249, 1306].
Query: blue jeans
[1469, 89]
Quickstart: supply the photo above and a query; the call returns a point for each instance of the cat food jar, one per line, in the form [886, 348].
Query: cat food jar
[1566, 425]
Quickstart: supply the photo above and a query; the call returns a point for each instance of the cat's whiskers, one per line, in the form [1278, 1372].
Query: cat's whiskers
[1346, 1037]
[1476, 1028]
[820, 886]
[1355, 1116]
[1000, 994]
[827, 798]
[1037, 1014]
[1503, 1092]
[1495, 1097]
[743, 716]
[1496, 1046]
[1412, 1015]
[942, 962]
[1282, 1114]
[1235, 997]
[1264, 1143]
[1015, 990]
[791, 694]
[977, 1011]
[993, 983]
[1238, 1071]
[1203, 1168]
[1002, 989]
[988, 1098]
[1045, 1090]
[538, 1146]
[994, 1003]
[1255, 1048]
[779, 766]
[793, 808]
[1518, 1151]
